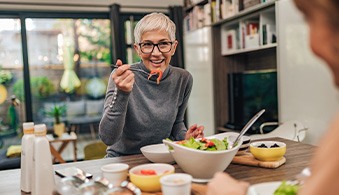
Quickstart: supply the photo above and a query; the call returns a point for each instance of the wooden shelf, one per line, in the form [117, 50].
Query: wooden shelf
[239, 51]
[189, 8]
[248, 11]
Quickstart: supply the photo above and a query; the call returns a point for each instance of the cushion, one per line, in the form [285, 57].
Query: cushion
[8, 163]
[94, 107]
[13, 151]
[75, 108]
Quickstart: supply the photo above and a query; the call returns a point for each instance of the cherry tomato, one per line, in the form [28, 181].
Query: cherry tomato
[148, 172]
[209, 144]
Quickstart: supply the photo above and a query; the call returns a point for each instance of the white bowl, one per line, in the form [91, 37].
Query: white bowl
[157, 153]
[202, 164]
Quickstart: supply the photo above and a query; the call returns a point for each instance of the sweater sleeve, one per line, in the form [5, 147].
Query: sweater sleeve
[179, 129]
[114, 114]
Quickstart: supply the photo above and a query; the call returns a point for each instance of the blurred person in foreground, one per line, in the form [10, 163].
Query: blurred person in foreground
[322, 17]
[140, 110]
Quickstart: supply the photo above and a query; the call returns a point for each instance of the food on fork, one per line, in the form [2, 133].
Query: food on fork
[156, 71]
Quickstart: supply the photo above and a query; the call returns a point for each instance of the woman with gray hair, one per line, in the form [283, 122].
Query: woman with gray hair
[146, 102]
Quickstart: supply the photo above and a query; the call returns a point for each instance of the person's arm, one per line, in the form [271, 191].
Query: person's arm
[222, 184]
[113, 119]
[325, 165]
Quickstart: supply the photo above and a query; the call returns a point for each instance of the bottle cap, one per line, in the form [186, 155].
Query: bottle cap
[28, 127]
[40, 129]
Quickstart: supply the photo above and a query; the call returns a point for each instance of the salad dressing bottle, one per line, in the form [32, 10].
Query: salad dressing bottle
[27, 157]
[43, 182]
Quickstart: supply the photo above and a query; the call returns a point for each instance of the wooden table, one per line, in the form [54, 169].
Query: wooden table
[297, 155]
[64, 139]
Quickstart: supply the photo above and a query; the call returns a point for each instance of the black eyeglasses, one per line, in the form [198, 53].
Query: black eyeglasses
[163, 47]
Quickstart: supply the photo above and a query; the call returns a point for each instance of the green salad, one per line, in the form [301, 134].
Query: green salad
[287, 189]
[205, 144]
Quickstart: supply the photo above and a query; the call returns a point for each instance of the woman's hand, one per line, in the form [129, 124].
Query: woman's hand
[123, 77]
[222, 183]
[195, 131]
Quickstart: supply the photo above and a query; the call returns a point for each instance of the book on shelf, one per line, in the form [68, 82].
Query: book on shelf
[217, 10]
[251, 39]
[242, 34]
[213, 11]
[228, 8]
[196, 18]
[207, 14]
[231, 38]
[268, 34]
[251, 3]
[252, 27]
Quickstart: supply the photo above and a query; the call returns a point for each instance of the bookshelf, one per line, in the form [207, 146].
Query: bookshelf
[244, 42]
[197, 14]
[301, 97]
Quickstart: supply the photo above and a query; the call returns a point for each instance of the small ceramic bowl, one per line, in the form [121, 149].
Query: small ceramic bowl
[144, 178]
[268, 150]
[157, 153]
[177, 183]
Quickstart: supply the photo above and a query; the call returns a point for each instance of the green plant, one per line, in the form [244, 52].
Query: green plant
[57, 111]
[5, 76]
[41, 87]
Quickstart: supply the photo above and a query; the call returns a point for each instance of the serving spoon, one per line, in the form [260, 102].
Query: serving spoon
[246, 127]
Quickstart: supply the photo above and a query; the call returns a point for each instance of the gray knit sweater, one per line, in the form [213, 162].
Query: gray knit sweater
[147, 114]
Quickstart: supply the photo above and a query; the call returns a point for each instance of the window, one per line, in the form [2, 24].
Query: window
[11, 70]
[129, 24]
[68, 59]
[65, 57]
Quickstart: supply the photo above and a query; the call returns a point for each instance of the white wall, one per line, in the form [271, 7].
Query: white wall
[198, 61]
[306, 89]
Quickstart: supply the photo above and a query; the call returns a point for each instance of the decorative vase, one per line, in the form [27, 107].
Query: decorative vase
[59, 129]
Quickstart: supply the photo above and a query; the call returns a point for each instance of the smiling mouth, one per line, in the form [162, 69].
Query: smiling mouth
[156, 62]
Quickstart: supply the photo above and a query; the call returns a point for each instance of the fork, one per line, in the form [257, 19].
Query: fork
[135, 69]
[303, 175]
[115, 88]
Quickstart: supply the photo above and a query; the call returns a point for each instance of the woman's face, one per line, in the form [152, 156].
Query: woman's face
[324, 41]
[156, 59]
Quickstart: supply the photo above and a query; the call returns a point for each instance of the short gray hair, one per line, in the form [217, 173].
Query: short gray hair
[154, 21]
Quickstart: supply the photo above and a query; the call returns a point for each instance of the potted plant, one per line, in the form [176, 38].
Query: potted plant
[5, 76]
[57, 111]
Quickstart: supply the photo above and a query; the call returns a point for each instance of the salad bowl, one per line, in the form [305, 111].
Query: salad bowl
[203, 164]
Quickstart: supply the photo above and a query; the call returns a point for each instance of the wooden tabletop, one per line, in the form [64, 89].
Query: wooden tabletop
[297, 155]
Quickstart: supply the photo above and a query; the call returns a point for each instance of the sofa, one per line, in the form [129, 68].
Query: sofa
[79, 112]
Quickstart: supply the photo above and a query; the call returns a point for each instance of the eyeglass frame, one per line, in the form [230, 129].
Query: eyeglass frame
[155, 44]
